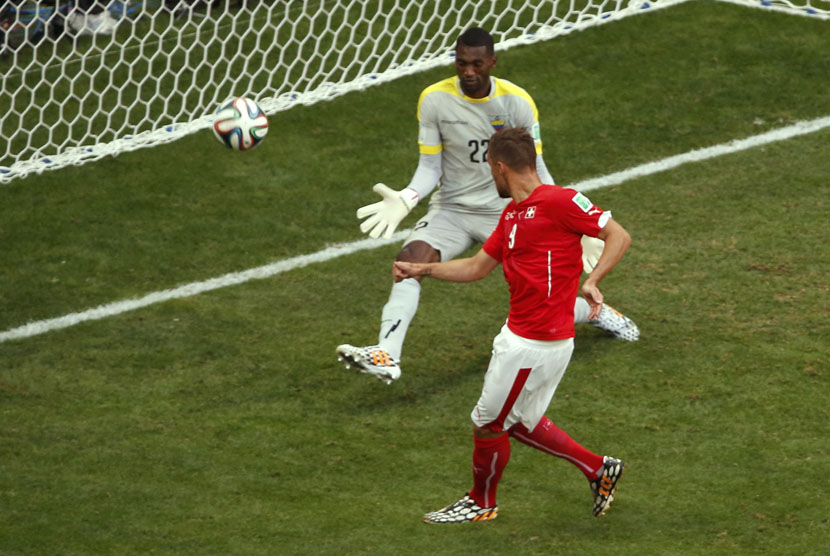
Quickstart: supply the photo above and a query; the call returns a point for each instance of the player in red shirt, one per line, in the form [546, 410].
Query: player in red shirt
[537, 242]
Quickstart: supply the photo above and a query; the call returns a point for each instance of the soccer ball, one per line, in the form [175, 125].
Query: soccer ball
[240, 124]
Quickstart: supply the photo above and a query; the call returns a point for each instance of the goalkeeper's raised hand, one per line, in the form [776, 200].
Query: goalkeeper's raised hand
[384, 216]
[591, 250]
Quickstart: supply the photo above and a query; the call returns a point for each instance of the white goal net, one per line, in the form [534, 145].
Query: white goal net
[85, 79]
[809, 8]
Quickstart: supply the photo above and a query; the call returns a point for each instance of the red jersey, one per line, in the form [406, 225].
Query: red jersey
[537, 242]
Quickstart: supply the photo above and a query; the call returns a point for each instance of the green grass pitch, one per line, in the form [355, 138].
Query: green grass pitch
[222, 423]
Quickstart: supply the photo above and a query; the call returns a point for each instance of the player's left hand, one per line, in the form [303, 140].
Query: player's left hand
[384, 216]
[594, 297]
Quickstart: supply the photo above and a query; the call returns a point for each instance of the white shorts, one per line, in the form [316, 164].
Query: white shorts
[520, 381]
[452, 232]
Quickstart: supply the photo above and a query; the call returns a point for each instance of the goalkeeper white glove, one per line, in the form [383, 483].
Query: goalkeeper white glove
[591, 250]
[388, 213]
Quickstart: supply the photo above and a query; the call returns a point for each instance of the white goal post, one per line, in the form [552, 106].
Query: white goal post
[84, 79]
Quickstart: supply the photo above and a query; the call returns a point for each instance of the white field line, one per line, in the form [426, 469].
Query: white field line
[780, 134]
[269, 270]
[188, 290]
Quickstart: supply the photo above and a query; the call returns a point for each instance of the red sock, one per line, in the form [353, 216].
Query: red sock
[551, 439]
[490, 456]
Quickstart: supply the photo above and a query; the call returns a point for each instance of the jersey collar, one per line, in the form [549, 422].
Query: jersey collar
[470, 99]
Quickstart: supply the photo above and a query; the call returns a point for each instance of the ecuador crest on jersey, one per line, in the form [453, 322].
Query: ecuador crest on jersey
[499, 121]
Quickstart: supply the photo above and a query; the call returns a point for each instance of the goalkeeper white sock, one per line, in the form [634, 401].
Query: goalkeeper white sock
[581, 311]
[397, 314]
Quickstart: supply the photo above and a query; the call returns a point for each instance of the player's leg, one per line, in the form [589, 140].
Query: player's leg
[581, 311]
[402, 305]
[602, 472]
[439, 235]
[518, 386]
[549, 438]
[610, 320]
[383, 359]
[491, 444]
[491, 452]
[548, 362]
[544, 364]
[530, 427]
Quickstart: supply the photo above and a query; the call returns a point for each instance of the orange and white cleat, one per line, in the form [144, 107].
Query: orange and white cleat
[616, 324]
[373, 360]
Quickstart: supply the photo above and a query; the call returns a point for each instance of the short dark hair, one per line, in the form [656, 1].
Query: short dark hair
[514, 147]
[476, 36]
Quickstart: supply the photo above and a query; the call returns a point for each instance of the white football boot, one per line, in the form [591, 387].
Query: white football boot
[373, 360]
[616, 324]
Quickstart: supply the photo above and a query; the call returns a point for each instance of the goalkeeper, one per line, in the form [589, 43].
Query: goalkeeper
[456, 118]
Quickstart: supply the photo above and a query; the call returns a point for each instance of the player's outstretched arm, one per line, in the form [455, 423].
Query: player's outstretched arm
[427, 174]
[617, 241]
[384, 216]
[457, 270]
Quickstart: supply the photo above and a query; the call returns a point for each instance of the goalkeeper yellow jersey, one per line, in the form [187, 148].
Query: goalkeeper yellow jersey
[459, 128]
